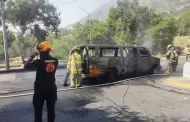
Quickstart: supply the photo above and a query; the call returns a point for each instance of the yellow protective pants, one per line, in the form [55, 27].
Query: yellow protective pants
[75, 80]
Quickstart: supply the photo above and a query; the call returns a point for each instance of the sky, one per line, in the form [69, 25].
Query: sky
[71, 13]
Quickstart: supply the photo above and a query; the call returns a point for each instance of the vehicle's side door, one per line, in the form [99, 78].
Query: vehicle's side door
[86, 62]
[134, 62]
[145, 59]
[93, 53]
[126, 60]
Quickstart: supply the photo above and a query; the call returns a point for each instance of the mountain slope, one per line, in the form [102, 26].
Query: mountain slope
[101, 13]
[169, 6]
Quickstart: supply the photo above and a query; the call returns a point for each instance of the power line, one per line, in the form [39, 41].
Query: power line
[65, 3]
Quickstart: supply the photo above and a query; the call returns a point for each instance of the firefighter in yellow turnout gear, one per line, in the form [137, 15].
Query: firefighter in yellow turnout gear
[75, 67]
[187, 52]
[172, 58]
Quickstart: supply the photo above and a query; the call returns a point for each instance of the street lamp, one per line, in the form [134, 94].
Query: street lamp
[89, 22]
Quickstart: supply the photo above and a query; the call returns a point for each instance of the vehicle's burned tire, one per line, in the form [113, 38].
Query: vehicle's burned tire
[151, 71]
[112, 75]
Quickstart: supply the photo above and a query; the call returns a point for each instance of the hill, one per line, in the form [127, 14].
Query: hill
[169, 6]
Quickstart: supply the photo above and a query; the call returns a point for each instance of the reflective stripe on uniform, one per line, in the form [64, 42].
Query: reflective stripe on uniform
[187, 51]
[172, 56]
[76, 63]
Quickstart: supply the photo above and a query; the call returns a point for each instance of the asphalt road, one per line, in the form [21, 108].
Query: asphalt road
[130, 101]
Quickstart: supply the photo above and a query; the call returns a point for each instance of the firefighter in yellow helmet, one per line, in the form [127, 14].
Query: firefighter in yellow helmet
[187, 52]
[44, 86]
[68, 72]
[75, 67]
[172, 58]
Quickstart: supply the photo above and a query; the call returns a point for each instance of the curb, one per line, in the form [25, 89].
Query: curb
[26, 70]
[170, 88]
[179, 84]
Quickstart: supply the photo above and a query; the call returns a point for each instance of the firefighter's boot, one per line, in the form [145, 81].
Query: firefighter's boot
[77, 85]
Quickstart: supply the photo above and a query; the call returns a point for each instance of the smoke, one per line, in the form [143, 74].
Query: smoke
[147, 42]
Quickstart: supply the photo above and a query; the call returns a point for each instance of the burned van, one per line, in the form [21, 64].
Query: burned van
[114, 61]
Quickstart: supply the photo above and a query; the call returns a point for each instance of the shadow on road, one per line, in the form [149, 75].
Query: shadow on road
[70, 107]
[81, 105]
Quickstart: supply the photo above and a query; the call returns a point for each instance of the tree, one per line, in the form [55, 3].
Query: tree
[28, 45]
[80, 33]
[61, 45]
[184, 24]
[10, 39]
[128, 21]
[163, 34]
[28, 15]
[99, 33]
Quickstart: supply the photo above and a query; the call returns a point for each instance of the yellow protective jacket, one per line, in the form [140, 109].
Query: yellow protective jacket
[187, 51]
[172, 56]
[75, 64]
[69, 63]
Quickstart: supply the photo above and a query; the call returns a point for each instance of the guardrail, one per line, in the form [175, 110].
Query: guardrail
[27, 70]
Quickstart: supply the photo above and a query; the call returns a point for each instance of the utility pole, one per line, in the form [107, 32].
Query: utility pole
[89, 23]
[2, 2]
[98, 15]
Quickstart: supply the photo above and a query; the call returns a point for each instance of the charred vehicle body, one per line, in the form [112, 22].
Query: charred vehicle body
[112, 62]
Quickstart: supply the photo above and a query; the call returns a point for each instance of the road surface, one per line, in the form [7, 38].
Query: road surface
[130, 101]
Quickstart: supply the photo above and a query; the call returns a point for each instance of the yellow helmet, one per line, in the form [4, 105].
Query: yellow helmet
[169, 46]
[44, 46]
[76, 49]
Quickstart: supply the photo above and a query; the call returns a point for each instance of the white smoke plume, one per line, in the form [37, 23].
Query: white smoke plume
[147, 42]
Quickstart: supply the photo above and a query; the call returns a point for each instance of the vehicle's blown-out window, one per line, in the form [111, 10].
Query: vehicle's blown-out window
[133, 51]
[92, 52]
[108, 52]
[143, 52]
[125, 52]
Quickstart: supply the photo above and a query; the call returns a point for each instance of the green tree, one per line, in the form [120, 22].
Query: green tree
[28, 15]
[10, 39]
[61, 45]
[128, 21]
[163, 34]
[184, 24]
[27, 46]
[80, 33]
[99, 33]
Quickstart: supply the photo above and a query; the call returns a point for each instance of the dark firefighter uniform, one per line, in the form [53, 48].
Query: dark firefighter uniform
[172, 58]
[75, 67]
[44, 86]
[187, 52]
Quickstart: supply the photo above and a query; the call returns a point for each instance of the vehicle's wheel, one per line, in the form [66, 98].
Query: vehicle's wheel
[151, 71]
[112, 75]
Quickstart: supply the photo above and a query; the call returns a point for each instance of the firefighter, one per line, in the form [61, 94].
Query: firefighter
[187, 52]
[172, 58]
[68, 70]
[75, 67]
[44, 86]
